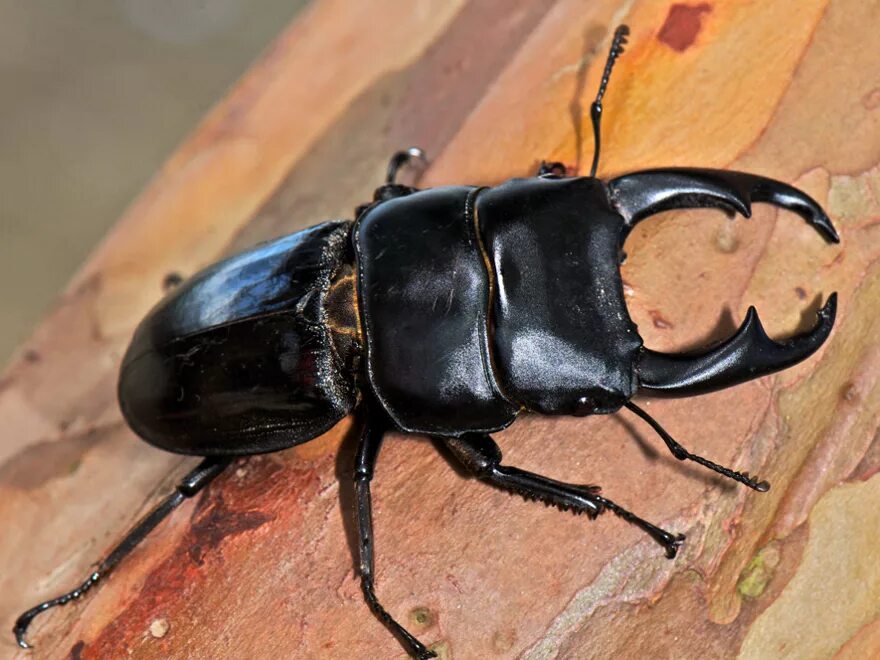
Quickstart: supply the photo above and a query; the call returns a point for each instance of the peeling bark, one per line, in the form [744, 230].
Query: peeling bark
[260, 564]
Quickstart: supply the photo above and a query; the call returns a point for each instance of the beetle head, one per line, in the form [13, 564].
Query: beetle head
[749, 353]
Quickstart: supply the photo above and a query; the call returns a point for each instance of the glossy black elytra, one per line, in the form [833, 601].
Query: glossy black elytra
[444, 312]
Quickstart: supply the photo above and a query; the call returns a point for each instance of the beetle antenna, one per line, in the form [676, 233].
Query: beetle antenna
[191, 484]
[683, 454]
[617, 44]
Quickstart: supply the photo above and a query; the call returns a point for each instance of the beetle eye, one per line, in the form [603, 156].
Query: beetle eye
[584, 406]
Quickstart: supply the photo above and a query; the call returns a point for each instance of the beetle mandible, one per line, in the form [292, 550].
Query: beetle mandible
[445, 312]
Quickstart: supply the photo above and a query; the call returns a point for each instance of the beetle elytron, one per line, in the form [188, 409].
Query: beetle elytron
[445, 312]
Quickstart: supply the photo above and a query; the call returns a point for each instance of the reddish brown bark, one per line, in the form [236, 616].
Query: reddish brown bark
[260, 565]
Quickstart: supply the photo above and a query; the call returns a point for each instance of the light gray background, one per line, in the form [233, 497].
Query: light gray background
[94, 95]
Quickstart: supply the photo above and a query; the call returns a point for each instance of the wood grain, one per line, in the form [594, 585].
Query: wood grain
[260, 565]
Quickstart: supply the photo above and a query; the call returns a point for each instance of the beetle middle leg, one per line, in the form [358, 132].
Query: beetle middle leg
[480, 454]
[365, 461]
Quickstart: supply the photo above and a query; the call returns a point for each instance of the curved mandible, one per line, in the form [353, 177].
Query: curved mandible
[641, 194]
[750, 353]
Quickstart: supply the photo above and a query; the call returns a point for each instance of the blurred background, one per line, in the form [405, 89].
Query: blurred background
[94, 96]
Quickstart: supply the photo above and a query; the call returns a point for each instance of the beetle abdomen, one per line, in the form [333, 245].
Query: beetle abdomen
[240, 359]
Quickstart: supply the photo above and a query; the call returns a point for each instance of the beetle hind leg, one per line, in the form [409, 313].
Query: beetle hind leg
[480, 454]
[191, 484]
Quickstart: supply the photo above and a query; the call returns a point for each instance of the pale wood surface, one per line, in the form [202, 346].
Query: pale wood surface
[260, 565]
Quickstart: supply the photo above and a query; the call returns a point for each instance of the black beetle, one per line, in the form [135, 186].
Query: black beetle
[444, 312]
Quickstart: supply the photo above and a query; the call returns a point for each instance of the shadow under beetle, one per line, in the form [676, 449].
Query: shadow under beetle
[445, 312]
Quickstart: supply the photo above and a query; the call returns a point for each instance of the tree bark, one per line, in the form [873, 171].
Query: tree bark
[260, 564]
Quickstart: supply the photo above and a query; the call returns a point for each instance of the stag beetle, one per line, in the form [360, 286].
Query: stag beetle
[445, 312]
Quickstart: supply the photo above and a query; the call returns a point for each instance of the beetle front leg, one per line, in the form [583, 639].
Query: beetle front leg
[365, 461]
[551, 168]
[480, 454]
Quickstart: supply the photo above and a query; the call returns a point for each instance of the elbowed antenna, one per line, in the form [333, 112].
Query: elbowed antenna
[617, 44]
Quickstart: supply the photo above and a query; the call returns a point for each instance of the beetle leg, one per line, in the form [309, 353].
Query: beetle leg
[191, 484]
[683, 454]
[365, 461]
[414, 157]
[480, 454]
[551, 168]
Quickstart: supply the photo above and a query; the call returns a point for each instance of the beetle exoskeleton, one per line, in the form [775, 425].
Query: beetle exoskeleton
[447, 312]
